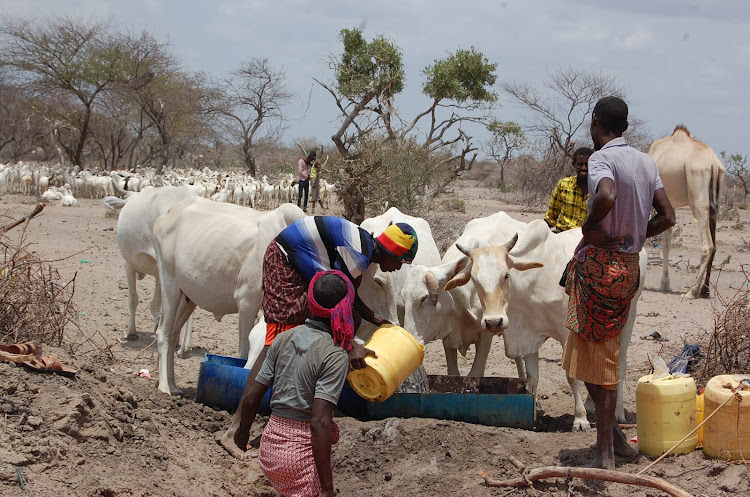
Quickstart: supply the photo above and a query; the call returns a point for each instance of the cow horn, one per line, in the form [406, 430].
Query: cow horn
[433, 287]
[512, 243]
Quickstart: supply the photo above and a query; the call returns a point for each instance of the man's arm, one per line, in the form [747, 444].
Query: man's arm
[664, 217]
[555, 207]
[249, 409]
[603, 201]
[322, 415]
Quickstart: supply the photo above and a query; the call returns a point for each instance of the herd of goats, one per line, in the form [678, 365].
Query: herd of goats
[63, 185]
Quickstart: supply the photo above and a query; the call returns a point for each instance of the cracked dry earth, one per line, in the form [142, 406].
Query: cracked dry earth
[112, 433]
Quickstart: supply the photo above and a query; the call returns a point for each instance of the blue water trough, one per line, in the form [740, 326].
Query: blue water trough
[492, 401]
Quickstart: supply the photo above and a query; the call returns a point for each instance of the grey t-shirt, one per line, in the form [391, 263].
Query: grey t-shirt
[304, 364]
[636, 179]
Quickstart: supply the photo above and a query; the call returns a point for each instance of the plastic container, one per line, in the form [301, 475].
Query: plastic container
[727, 434]
[399, 355]
[666, 411]
[699, 401]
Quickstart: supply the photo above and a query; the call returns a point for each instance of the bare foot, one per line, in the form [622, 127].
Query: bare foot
[227, 441]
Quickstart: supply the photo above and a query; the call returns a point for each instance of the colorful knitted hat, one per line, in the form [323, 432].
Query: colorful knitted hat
[400, 241]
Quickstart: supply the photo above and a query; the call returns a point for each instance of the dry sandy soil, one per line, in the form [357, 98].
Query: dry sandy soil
[112, 433]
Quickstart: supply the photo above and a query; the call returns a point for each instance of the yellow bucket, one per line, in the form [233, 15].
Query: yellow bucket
[727, 434]
[666, 411]
[399, 355]
[699, 401]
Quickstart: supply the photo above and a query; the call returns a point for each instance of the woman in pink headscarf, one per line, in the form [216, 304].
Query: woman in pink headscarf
[307, 367]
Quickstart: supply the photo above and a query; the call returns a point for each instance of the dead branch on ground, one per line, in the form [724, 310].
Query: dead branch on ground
[588, 474]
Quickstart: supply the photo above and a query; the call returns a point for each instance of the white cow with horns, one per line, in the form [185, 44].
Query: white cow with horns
[501, 277]
[692, 175]
[210, 255]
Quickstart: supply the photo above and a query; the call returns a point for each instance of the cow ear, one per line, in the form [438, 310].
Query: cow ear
[464, 249]
[459, 280]
[461, 274]
[522, 264]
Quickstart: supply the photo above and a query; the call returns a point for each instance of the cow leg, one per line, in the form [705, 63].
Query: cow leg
[521, 367]
[248, 311]
[580, 422]
[184, 317]
[482, 353]
[187, 334]
[167, 334]
[532, 372]
[451, 358]
[666, 246]
[156, 302]
[131, 333]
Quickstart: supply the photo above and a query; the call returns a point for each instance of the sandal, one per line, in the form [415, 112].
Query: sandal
[21, 349]
[49, 364]
[10, 357]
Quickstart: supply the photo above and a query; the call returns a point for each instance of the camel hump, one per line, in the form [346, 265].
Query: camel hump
[681, 127]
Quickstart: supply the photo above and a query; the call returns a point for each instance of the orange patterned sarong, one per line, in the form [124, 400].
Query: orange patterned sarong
[600, 289]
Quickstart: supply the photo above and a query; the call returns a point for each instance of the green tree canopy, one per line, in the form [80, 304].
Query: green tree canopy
[464, 76]
[368, 68]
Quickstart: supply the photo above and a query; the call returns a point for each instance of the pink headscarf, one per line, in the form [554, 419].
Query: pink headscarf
[341, 317]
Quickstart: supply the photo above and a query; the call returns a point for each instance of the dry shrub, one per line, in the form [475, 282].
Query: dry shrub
[728, 348]
[36, 305]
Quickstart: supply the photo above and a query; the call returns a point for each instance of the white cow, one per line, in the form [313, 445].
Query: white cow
[135, 226]
[382, 291]
[479, 291]
[692, 174]
[210, 255]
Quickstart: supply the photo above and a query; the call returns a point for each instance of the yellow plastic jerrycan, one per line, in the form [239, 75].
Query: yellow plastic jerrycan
[399, 355]
[727, 434]
[699, 401]
[666, 411]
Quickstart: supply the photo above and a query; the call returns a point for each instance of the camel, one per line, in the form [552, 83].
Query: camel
[692, 174]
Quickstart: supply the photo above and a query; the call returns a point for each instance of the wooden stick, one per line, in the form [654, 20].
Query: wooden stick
[739, 399]
[518, 464]
[589, 474]
[39, 207]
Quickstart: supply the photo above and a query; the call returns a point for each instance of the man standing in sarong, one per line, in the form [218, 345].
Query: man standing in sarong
[307, 368]
[307, 246]
[603, 275]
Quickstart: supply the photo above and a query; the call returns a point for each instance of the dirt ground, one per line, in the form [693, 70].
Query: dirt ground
[112, 433]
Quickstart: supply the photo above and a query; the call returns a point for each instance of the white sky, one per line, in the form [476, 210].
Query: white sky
[680, 61]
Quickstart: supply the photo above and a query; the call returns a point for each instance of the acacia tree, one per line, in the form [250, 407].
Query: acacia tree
[22, 131]
[736, 166]
[70, 63]
[507, 140]
[170, 103]
[558, 111]
[249, 106]
[368, 76]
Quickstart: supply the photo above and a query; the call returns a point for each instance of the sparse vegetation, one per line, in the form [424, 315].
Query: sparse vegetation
[454, 205]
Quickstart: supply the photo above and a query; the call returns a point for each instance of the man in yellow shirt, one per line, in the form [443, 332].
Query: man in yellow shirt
[567, 208]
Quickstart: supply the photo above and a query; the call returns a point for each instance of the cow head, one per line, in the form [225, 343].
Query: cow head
[427, 304]
[490, 274]
[376, 291]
